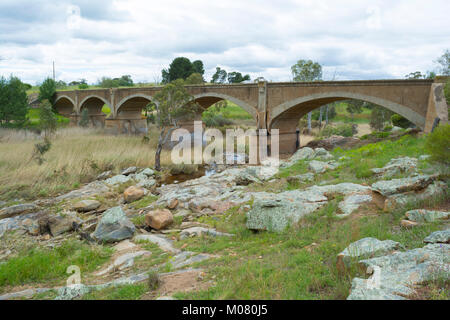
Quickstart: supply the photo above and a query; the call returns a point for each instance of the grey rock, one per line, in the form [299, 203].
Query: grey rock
[123, 261]
[186, 258]
[397, 166]
[394, 276]
[148, 172]
[129, 171]
[59, 225]
[421, 215]
[114, 226]
[199, 231]
[72, 292]
[390, 187]
[424, 157]
[322, 154]
[365, 248]
[119, 179]
[162, 242]
[321, 167]
[147, 183]
[105, 175]
[438, 237]
[28, 293]
[90, 190]
[276, 211]
[353, 202]
[17, 209]
[435, 189]
[86, 205]
[396, 129]
[165, 298]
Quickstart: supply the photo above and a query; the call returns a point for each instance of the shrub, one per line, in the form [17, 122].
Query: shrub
[399, 121]
[345, 130]
[216, 120]
[437, 144]
[47, 91]
[83, 86]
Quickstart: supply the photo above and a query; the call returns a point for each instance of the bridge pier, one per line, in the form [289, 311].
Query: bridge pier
[437, 106]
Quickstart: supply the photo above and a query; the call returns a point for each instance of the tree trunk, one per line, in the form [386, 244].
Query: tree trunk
[326, 115]
[320, 117]
[309, 122]
[158, 151]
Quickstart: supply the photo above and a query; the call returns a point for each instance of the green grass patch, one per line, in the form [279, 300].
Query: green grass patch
[50, 265]
[124, 292]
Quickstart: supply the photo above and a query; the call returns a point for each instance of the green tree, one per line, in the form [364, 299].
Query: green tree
[378, 117]
[447, 91]
[354, 106]
[84, 118]
[437, 144]
[307, 70]
[125, 81]
[415, 75]
[13, 102]
[236, 77]
[198, 67]
[47, 91]
[444, 62]
[48, 122]
[106, 82]
[180, 68]
[220, 76]
[173, 103]
[195, 78]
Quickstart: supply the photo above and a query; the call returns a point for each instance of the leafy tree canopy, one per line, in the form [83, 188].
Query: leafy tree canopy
[47, 91]
[236, 77]
[182, 68]
[444, 62]
[13, 102]
[306, 70]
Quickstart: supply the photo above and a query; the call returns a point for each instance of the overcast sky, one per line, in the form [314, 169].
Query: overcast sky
[352, 39]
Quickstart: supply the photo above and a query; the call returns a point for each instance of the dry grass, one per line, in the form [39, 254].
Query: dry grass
[76, 156]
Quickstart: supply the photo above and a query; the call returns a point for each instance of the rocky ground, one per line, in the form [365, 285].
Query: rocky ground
[134, 237]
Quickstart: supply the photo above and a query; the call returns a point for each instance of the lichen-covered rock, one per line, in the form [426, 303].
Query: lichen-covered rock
[162, 242]
[119, 179]
[123, 261]
[301, 154]
[442, 236]
[364, 248]
[59, 225]
[17, 209]
[321, 167]
[276, 211]
[421, 215]
[129, 171]
[408, 224]
[86, 205]
[322, 154]
[396, 166]
[159, 219]
[114, 226]
[105, 175]
[72, 292]
[390, 187]
[352, 202]
[435, 189]
[148, 172]
[133, 193]
[394, 276]
[198, 231]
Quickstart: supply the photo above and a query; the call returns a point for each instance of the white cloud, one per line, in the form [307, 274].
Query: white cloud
[352, 39]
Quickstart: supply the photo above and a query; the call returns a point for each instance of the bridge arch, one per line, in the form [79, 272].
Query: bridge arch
[290, 112]
[138, 97]
[94, 104]
[208, 99]
[64, 105]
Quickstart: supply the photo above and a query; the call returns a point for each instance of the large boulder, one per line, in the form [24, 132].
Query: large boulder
[390, 187]
[60, 224]
[352, 202]
[394, 276]
[363, 249]
[421, 215]
[119, 179]
[438, 237]
[86, 205]
[321, 166]
[114, 226]
[397, 166]
[129, 171]
[159, 219]
[133, 193]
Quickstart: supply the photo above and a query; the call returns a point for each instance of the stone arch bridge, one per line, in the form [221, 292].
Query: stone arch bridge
[272, 105]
